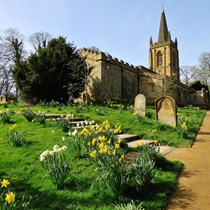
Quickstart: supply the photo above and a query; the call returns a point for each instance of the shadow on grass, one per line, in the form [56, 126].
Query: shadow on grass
[156, 194]
[56, 200]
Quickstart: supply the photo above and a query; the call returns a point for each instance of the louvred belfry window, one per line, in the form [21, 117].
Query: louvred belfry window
[159, 59]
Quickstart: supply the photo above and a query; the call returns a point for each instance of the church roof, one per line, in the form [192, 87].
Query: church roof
[163, 30]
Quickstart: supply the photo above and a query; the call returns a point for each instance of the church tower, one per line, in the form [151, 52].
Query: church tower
[164, 54]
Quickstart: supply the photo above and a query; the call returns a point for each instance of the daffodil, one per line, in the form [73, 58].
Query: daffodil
[93, 154]
[85, 132]
[141, 143]
[5, 183]
[10, 197]
[94, 141]
[13, 127]
[119, 141]
[156, 142]
[117, 146]
[99, 128]
[117, 129]
[106, 125]
[121, 158]
[184, 126]
[101, 138]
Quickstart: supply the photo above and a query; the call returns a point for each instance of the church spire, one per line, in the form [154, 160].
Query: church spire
[163, 31]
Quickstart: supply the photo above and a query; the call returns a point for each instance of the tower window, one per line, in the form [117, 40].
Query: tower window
[159, 59]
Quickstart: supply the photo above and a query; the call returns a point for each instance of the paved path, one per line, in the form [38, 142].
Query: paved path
[193, 189]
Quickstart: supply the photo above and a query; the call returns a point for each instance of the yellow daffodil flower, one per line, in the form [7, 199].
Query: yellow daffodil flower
[10, 197]
[13, 127]
[5, 183]
[141, 143]
[101, 138]
[93, 141]
[93, 154]
[117, 146]
[106, 125]
[156, 142]
[119, 141]
[117, 130]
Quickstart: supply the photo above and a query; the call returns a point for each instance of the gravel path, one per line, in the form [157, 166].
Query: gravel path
[193, 189]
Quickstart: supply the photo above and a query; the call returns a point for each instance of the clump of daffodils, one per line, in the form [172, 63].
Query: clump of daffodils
[7, 195]
[56, 149]
[182, 129]
[56, 165]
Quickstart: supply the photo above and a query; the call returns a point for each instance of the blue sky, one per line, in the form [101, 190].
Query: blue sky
[121, 28]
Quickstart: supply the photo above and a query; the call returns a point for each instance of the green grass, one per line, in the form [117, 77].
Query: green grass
[22, 167]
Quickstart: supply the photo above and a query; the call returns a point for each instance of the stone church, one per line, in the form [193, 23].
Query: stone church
[112, 78]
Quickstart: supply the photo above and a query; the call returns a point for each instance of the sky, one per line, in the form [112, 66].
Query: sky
[121, 28]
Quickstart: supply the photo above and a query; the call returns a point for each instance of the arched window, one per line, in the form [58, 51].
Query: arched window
[159, 59]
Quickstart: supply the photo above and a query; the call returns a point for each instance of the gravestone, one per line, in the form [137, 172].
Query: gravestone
[86, 98]
[3, 98]
[166, 111]
[140, 105]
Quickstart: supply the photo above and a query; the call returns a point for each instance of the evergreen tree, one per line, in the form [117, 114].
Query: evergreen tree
[55, 72]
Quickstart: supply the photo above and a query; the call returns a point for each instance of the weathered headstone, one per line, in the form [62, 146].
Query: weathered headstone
[86, 98]
[140, 105]
[3, 98]
[166, 111]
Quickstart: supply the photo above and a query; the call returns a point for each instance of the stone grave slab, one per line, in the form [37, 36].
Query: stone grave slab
[166, 111]
[140, 105]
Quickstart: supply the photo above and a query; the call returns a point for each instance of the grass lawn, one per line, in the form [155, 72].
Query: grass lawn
[21, 165]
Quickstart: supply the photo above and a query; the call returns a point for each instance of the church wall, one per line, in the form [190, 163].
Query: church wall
[154, 86]
[94, 61]
[110, 78]
[119, 79]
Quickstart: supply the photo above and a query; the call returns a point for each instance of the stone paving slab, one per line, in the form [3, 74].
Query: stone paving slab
[165, 149]
[132, 144]
[128, 137]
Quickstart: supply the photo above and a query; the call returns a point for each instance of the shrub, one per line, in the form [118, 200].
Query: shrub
[15, 138]
[28, 114]
[108, 158]
[141, 172]
[5, 117]
[64, 124]
[41, 118]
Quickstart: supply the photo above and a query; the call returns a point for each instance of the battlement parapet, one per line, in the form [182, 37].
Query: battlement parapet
[109, 59]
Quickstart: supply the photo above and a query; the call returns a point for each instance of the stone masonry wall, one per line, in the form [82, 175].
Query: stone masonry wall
[114, 79]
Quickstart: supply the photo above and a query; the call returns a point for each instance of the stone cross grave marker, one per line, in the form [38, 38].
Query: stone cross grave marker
[140, 105]
[166, 111]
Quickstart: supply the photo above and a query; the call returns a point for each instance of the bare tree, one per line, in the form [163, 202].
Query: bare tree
[11, 52]
[188, 74]
[13, 47]
[204, 68]
[39, 40]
